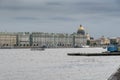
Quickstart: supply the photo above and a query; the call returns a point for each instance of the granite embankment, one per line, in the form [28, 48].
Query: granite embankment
[115, 76]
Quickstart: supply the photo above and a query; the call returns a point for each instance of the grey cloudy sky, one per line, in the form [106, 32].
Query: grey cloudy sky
[99, 17]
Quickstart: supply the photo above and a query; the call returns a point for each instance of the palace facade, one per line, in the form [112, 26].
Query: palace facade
[41, 39]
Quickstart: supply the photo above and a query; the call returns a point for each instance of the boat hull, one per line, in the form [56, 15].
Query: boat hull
[95, 54]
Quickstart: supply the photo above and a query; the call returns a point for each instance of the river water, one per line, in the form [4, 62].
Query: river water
[54, 64]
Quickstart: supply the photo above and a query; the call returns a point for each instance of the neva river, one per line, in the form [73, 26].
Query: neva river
[54, 64]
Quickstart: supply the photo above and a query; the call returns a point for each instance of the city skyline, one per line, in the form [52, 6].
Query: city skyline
[98, 17]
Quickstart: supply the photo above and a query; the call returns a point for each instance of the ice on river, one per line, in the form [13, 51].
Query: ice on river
[54, 64]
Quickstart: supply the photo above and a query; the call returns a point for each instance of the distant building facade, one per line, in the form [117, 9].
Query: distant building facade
[40, 39]
[7, 39]
[81, 37]
[51, 40]
[23, 39]
[118, 40]
[100, 41]
[114, 40]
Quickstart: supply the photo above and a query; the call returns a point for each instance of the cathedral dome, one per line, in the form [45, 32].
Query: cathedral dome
[81, 30]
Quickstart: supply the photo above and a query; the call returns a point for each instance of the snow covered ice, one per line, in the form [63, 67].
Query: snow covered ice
[54, 64]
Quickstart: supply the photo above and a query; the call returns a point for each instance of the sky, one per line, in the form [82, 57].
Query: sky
[99, 17]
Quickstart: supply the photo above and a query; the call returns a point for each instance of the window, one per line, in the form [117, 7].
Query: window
[6, 44]
[20, 44]
[34, 44]
[37, 44]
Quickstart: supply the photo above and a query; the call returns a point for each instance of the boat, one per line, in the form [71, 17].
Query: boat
[112, 50]
[95, 54]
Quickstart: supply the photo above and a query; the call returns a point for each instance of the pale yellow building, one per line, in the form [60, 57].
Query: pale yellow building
[100, 41]
[104, 40]
[7, 39]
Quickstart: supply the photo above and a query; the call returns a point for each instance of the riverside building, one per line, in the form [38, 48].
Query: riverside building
[59, 40]
[81, 37]
[23, 39]
[40, 39]
[51, 40]
[8, 39]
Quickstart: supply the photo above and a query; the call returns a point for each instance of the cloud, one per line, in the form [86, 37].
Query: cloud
[26, 18]
[63, 8]
[60, 13]
[63, 18]
[54, 3]
[70, 7]
[93, 6]
[118, 1]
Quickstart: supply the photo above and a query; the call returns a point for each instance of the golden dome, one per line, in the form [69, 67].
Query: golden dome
[81, 30]
[81, 27]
